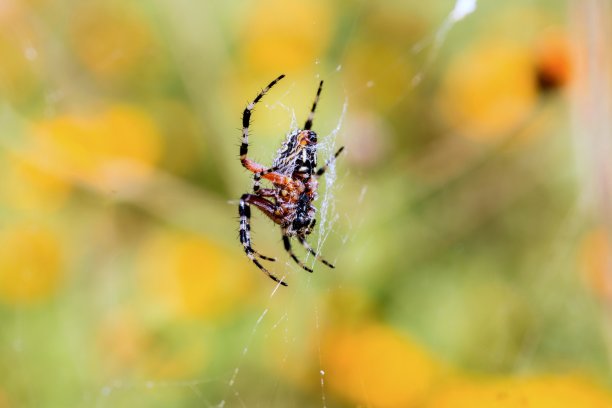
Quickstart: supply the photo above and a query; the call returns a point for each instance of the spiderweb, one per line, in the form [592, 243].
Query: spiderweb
[281, 313]
[327, 218]
[275, 356]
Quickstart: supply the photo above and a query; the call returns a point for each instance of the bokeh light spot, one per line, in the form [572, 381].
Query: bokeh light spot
[114, 148]
[488, 90]
[376, 366]
[31, 264]
[190, 276]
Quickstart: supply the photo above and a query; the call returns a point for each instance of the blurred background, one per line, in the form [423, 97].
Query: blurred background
[469, 218]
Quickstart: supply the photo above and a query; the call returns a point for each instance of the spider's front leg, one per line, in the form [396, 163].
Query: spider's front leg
[246, 123]
[323, 169]
[244, 211]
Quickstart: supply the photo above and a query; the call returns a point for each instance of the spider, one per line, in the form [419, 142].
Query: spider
[294, 176]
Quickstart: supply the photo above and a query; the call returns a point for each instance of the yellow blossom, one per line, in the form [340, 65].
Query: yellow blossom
[489, 90]
[287, 34]
[112, 149]
[376, 366]
[31, 264]
[568, 391]
[109, 42]
[187, 275]
[32, 188]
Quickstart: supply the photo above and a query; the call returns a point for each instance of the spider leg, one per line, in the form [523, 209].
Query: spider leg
[323, 169]
[245, 217]
[287, 243]
[256, 182]
[269, 174]
[308, 124]
[313, 252]
[244, 211]
[257, 177]
[246, 121]
[247, 225]
[266, 192]
[265, 258]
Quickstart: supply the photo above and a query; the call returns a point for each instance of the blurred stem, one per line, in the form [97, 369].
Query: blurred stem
[592, 113]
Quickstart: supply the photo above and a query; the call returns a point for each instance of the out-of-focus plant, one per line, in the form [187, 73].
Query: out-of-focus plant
[469, 270]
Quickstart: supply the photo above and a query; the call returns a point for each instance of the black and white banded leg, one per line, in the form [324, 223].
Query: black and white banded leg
[287, 243]
[323, 169]
[308, 124]
[246, 119]
[244, 211]
[257, 177]
[313, 252]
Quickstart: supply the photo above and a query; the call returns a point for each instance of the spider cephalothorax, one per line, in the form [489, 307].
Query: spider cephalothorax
[293, 176]
[298, 153]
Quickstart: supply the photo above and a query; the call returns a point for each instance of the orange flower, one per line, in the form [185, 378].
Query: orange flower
[376, 366]
[553, 61]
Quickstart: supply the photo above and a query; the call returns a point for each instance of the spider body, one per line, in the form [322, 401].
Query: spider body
[293, 176]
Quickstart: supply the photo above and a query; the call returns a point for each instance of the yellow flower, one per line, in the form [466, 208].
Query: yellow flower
[113, 149]
[31, 264]
[32, 188]
[489, 90]
[565, 391]
[187, 275]
[109, 41]
[568, 391]
[285, 35]
[376, 366]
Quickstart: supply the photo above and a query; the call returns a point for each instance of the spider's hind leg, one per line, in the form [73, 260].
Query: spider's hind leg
[287, 243]
[244, 211]
[313, 252]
